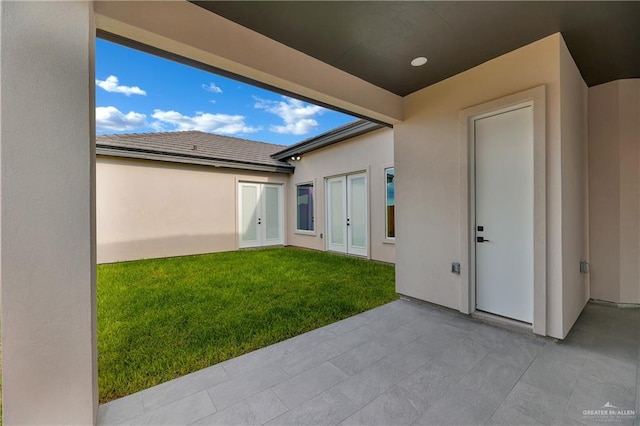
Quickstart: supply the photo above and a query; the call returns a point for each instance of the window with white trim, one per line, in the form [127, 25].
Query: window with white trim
[390, 212]
[304, 207]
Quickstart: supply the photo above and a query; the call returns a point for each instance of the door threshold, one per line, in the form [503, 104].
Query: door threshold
[360, 256]
[503, 322]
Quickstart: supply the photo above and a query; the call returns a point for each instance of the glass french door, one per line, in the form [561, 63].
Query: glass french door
[260, 210]
[347, 214]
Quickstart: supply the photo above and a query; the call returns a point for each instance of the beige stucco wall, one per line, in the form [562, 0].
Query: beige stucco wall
[614, 190]
[372, 152]
[575, 189]
[428, 173]
[150, 209]
[47, 257]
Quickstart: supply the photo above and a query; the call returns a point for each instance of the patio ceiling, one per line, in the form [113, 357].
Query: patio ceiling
[375, 41]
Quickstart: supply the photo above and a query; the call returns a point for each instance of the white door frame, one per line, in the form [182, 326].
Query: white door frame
[261, 238]
[537, 98]
[351, 248]
[344, 177]
[279, 240]
[504, 190]
[343, 185]
[242, 208]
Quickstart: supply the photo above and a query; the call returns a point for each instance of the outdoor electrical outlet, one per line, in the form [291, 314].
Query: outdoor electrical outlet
[584, 267]
[455, 268]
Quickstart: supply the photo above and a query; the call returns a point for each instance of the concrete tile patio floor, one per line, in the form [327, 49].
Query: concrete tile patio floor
[410, 363]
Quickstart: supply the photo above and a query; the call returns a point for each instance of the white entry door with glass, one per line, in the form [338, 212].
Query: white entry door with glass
[347, 214]
[260, 214]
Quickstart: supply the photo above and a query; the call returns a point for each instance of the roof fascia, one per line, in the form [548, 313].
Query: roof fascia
[338, 135]
[187, 159]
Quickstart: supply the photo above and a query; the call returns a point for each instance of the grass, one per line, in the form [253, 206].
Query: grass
[160, 319]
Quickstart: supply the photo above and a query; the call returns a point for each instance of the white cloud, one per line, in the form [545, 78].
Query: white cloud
[111, 119]
[211, 87]
[204, 122]
[111, 85]
[298, 116]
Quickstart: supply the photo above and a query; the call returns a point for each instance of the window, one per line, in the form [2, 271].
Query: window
[304, 206]
[391, 202]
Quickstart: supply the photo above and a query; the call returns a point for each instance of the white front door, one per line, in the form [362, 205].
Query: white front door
[260, 211]
[504, 213]
[347, 214]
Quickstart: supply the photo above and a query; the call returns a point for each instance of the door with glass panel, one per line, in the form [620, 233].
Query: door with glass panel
[260, 211]
[347, 214]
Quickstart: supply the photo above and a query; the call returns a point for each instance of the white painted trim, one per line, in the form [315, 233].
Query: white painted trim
[366, 172]
[536, 97]
[351, 249]
[329, 206]
[282, 219]
[385, 238]
[315, 202]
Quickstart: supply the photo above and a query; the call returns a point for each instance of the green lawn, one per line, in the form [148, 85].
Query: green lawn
[160, 319]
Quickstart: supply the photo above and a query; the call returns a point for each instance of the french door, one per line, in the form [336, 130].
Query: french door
[347, 214]
[260, 211]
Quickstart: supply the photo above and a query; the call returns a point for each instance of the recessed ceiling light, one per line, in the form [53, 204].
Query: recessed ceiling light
[419, 61]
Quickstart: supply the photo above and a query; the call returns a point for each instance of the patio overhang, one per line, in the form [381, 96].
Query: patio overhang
[185, 30]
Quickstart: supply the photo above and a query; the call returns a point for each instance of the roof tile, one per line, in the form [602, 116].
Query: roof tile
[196, 144]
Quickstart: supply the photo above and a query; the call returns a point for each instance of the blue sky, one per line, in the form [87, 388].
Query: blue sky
[140, 93]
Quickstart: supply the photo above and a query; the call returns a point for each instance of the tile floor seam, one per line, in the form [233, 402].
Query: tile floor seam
[212, 401]
[348, 414]
[524, 371]
[186, 395]
[197, 420]
[573, 390]
[348, 375]
[225, 370]
[129, 418]
[352, 348]
[346, 396]
[251, 394]
[599, 380]
[413, 405]
[361, 406]
[279, 399]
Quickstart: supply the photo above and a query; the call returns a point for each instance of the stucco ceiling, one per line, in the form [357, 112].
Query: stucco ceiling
[375, 41]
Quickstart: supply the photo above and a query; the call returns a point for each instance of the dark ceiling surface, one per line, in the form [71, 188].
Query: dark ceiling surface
[376, 40]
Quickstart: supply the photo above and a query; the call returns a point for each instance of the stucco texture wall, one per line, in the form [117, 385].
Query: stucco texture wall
[614, 190]
[428, 172]
[47, 274]
[575, 189]
[150, 209]
[372, 152]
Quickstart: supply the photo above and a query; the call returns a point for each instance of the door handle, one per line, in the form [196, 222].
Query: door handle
[482, 240]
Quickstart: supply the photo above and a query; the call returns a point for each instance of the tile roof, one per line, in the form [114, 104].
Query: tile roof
[193, 145]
